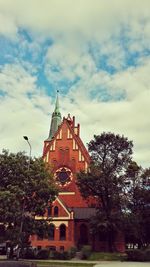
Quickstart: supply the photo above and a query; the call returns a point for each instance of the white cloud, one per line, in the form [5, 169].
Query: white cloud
[22, 114]
[14, 79]
[129, 116]
[134, 81]
[65, 62]
[114, 29]
[91, 18]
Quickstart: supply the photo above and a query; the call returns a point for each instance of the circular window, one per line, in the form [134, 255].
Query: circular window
[63, 176]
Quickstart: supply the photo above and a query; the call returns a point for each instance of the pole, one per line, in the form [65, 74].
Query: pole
[23, 208]
[26, 138]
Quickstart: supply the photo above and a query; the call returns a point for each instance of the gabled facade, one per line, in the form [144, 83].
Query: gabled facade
[69, 215]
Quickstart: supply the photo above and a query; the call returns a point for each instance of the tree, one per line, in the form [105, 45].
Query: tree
[26, 188]
[105, 180]
[138, 216]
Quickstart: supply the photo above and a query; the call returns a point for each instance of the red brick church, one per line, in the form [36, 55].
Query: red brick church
[69, 215]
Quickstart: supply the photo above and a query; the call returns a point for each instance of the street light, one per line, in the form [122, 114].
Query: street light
[27, 139]
[23, 208]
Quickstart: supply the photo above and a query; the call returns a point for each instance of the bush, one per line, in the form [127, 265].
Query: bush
[86, 252]
[147, 255]
[72, 252]
[138, 255]
[65, 255]
[28, 254]
[56, 255]
[42, 254]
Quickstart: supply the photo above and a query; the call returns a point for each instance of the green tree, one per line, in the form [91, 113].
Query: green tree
[26, 188]
[138, 216]
[105, 180]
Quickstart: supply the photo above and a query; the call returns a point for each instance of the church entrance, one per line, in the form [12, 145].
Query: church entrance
[83, 239]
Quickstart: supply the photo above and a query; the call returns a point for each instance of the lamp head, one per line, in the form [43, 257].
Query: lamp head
[25, 137]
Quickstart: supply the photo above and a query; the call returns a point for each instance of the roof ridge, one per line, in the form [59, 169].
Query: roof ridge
[79, 141]
[52, 140]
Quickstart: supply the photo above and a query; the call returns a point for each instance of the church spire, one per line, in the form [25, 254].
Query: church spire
[57, 103]
[56, 119]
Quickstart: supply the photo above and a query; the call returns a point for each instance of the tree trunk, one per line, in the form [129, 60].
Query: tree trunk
[110, 241]
[93, 242]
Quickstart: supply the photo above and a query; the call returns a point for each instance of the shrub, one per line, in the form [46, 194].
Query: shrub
[72, 252]
[42, 254]
[138, 255]
[29, 254]
[65, 255]
[147, 254]
[56, 255]
[86, 252]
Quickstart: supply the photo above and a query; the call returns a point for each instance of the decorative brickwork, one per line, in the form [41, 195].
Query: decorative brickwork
[70, 214]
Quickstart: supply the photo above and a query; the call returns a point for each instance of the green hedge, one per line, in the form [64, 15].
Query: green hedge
[138, 255]
[56, 255]
[28, 254]
[86, 252]
[42, 254]
[72, 252]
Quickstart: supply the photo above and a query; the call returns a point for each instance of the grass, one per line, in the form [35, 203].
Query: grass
[105, 256]
[95, 256]
[44, 263]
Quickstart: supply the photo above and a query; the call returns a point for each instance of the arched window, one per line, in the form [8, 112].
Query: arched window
[51, 232]
[49, 211]
[56, 211]
[62, 232]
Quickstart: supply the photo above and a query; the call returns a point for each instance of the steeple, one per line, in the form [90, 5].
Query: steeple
[56, 119]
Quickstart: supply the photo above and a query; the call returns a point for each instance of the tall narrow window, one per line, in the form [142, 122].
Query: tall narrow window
[62, 232]
[49, 211]
[51, 232]
[56, 211]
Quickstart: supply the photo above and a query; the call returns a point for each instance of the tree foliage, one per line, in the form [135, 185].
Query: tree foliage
[106, 180]
[26, 188]
[138, 217]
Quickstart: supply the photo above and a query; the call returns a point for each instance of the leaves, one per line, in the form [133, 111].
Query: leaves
[106, 180]
[120, 187]
[26, 186]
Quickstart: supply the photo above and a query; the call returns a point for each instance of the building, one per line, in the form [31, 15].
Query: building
[70, 213]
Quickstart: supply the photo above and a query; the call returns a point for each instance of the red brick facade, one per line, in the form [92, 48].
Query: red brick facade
[70, 213]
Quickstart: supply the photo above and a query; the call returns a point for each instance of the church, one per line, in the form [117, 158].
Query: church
[69, 214]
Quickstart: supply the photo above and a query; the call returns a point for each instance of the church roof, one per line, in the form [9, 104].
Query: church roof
[76, 137]
[84, 213]
[56, 120]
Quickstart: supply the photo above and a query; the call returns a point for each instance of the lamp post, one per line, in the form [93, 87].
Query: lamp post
[27, 139]
[23, 208]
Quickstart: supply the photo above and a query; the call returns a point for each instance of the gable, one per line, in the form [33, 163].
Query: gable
[78, 144]
[66, 144]
[63, 212]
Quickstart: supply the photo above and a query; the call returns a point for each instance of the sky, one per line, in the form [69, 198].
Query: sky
[95, 52]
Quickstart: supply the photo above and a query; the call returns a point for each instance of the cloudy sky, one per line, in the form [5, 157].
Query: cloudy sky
[96, 52]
